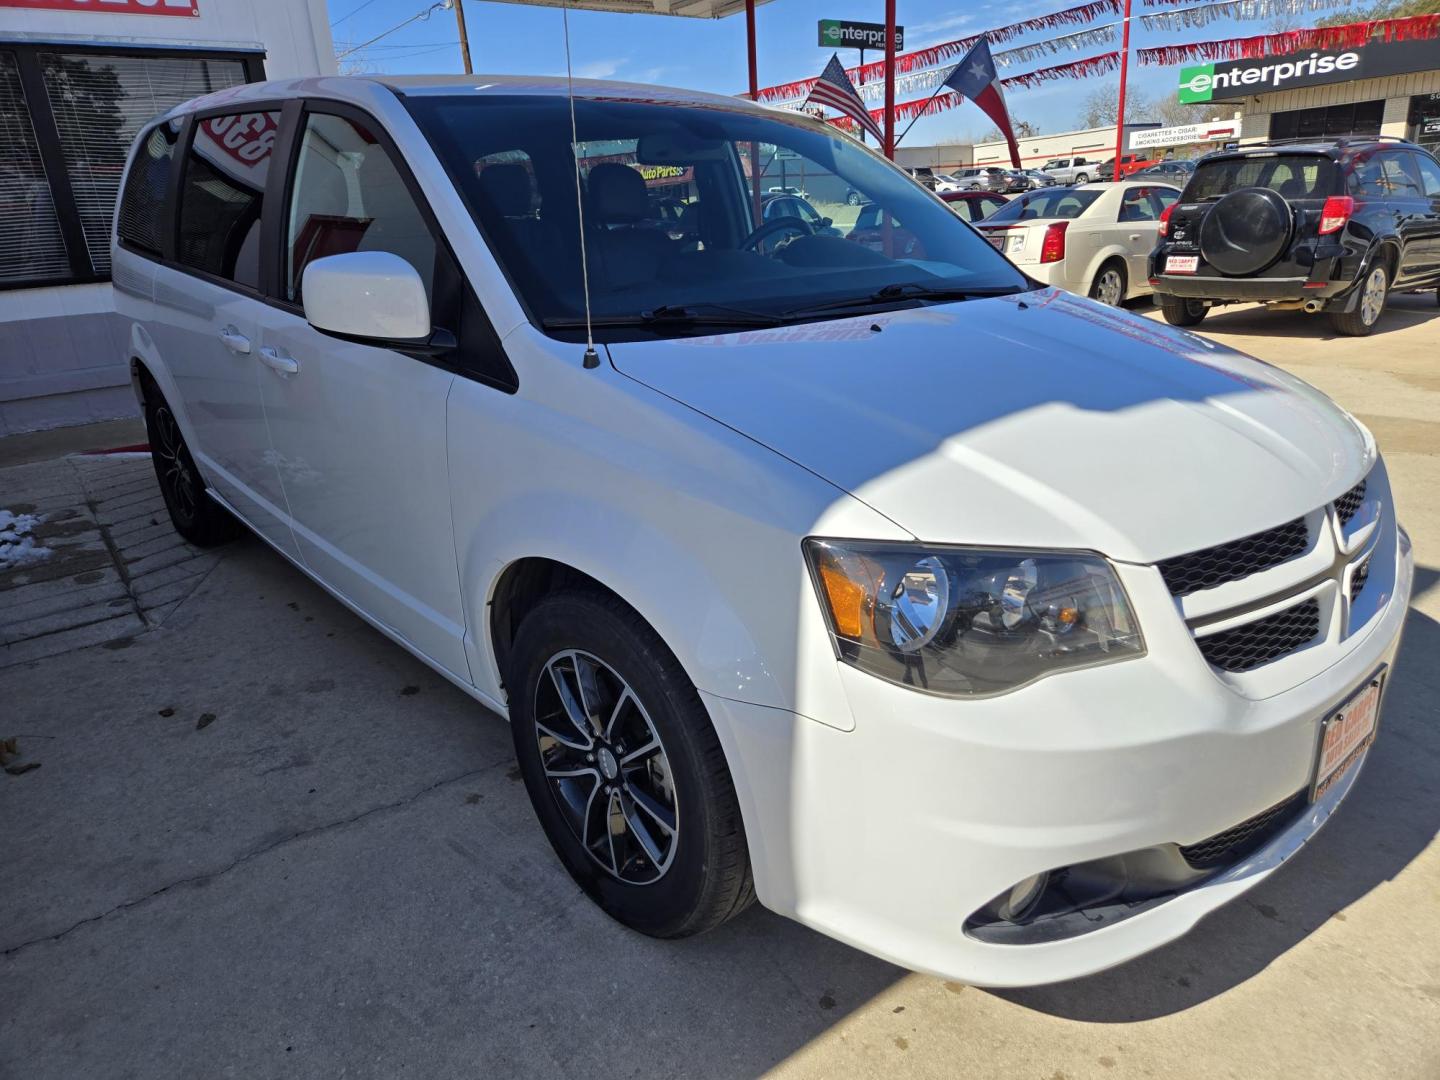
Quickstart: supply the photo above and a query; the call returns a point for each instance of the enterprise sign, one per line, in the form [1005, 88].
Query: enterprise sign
[842, 34]
[1230, 79]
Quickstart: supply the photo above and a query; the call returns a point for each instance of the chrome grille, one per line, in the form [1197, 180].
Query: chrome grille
[1347, 504]
[1358, 579]
[1244, 838]
[1185, 574]
[1246, 647]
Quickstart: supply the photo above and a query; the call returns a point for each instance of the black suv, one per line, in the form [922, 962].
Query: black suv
[1328, 225]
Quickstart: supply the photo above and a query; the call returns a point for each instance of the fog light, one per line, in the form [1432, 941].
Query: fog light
[1020, 899]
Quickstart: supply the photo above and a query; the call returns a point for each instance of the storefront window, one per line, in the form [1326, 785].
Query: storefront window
[1425, 121]
[1329, 121]
[99, 103]
[31, 247]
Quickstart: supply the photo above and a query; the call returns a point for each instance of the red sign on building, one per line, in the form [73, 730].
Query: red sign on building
[111, 7]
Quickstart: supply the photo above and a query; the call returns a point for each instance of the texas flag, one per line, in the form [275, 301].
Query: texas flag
[974, 78]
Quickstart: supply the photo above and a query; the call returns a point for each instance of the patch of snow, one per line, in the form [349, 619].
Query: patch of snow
[17, 546]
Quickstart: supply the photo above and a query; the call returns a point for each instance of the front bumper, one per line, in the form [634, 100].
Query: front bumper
[889, 836]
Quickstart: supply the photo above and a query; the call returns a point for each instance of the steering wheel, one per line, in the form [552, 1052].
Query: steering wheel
[789, 223]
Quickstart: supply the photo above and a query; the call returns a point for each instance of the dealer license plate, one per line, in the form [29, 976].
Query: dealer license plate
[1182, 264]
[1345, 736]
[997, 241]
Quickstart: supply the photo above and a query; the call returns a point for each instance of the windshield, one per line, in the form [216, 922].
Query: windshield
[1295, 176]
[513, 161]
[1045, 203]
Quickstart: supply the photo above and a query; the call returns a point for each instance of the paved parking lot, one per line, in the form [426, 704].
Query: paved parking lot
[262, 841]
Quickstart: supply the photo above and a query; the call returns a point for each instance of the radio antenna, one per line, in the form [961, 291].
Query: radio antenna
[592, 358]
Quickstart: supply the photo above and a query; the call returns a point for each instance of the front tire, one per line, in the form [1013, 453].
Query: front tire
[624, 769]
[1179, 311]
[1374, 291]
[196, 516]
[853, 199]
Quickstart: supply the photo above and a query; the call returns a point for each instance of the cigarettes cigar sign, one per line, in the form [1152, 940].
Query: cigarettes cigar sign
[186, 8]
[1231, 79]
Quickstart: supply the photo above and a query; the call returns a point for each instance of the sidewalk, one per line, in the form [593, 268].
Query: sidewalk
[87, 553]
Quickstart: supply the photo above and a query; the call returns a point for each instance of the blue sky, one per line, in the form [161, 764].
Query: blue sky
[701, 54]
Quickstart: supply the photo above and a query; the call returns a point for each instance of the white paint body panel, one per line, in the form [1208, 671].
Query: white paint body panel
[684, 474]
[366, 294]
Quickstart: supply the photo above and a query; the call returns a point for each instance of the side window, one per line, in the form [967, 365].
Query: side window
[1166, 196]
[1398, 177]
[348, 195]
[1137, 205]
[1429, 175]
[221, 198]
[141, 222]
[965, 208]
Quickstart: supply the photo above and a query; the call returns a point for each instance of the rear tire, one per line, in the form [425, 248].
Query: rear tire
[1110, 284]
[1369, 306]
[853, 199]
[603, 806]
[1180, 311]
[1082, 178]
[196, 516]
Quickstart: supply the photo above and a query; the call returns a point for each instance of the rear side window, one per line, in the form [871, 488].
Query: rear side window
[222, 195]
[1296, 176]
[141, 221]
[1383, 175]
[349, 196]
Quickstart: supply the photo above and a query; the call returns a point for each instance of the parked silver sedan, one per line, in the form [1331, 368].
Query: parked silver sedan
[1092, 239]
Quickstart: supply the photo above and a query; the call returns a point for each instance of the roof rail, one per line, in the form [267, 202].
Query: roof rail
[1324, 140]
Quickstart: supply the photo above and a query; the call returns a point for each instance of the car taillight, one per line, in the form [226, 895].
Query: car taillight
[1336, 213]
[1165, 218]
[1053, 247]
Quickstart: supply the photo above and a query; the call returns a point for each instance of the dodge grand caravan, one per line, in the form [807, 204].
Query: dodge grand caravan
[991, 630]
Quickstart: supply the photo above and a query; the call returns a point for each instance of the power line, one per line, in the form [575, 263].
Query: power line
[442, 5]
[357, 11]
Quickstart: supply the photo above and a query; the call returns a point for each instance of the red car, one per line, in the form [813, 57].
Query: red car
[973, 206]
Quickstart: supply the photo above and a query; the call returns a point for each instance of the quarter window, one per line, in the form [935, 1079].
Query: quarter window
[223, 193]
[350, 196]
[141, 222]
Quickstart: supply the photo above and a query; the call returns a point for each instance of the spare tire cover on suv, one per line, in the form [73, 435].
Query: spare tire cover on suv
[1246, 230]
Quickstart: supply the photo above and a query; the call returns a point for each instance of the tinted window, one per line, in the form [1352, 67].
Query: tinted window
[142, 217]
[222, 195]
[1046, 203]
[349, 196]
[1292, 175]
[1429, 175]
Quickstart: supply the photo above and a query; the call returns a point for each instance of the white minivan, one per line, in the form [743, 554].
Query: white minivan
[992, 630]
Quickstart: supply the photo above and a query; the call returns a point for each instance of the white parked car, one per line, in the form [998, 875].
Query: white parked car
[1094, 239]
[947, 182]
[993, 631]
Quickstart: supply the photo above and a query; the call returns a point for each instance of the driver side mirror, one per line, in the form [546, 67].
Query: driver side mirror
[373, 298]
[825, 223]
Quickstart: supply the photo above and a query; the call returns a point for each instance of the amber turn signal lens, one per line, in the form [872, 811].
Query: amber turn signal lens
[845, 597]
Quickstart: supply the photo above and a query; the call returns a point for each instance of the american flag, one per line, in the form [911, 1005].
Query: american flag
[834, 89]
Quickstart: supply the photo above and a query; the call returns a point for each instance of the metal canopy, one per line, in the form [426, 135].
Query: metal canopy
[691, 9]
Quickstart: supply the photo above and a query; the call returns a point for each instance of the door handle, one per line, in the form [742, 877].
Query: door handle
[1134, 236]
[235, 341]
[278, 361]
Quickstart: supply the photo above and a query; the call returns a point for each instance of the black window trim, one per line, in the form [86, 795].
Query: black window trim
[47, 136]
[450, 280]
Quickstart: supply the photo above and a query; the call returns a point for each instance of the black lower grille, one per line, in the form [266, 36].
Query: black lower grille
[1347, 504]
[1260, 642]
[1358, 579]
[1185, 574]
[1240, 840]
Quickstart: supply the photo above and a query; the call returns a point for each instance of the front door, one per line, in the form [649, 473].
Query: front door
[358, 431]
[208, 311]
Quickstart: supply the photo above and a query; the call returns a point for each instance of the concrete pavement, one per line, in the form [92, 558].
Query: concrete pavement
[263, 841]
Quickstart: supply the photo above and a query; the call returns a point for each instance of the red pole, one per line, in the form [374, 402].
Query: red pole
[1120, 116]
[890, 79]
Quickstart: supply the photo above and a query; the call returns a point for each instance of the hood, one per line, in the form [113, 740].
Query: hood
[1043, 420]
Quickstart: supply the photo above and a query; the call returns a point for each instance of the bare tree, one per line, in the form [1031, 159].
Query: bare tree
[1101, 105]
[1024, 129]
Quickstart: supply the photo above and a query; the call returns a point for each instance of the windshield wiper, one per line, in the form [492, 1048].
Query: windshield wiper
[678, 315]
[909, 290]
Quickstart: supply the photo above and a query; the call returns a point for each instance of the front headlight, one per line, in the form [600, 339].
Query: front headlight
[969, 621]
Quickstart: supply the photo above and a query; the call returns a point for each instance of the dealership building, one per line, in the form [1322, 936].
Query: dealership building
[1381, 88]
[77, 80]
